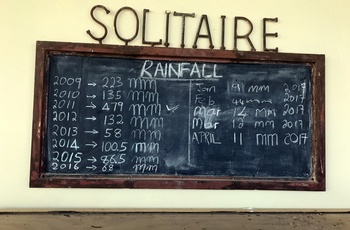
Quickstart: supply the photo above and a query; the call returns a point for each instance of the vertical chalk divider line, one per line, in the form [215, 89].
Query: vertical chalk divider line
[189, 123]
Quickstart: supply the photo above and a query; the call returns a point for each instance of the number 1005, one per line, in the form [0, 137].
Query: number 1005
[111, 146]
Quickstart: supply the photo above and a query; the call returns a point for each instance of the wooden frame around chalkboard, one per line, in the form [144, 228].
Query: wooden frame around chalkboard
[39, 178]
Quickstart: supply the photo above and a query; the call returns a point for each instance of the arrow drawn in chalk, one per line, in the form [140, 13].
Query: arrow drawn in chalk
[93, 160]
[93, 144]
[93, 118]
[93, 167]
[91, 106]
[91, 131]
[91, 96]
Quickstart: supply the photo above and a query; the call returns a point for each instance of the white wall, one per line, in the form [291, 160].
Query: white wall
[305, 26]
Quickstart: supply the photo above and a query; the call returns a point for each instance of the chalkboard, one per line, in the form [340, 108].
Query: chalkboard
[145, 117]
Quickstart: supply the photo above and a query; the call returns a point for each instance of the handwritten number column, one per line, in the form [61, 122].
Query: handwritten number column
[64, 128]
[294, 113]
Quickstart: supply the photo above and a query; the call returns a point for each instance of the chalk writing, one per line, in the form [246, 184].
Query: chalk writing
[177, 117]
[154, 69]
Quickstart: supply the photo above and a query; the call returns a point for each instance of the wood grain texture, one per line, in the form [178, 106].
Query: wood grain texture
[172, 221]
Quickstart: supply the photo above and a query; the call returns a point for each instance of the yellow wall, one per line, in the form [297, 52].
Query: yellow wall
[305, 26]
